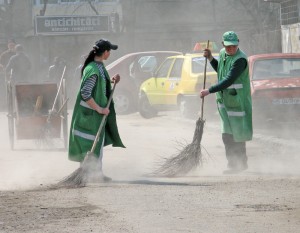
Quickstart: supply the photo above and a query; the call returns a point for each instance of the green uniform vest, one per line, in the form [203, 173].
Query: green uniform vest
[234, 103]
[86, 121]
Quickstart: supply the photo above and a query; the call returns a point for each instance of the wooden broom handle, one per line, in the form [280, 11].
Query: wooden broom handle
[103, 119]
[204, 82]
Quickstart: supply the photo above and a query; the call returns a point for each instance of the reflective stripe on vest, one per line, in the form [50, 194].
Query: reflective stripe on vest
[232, 113]
[84, 135]
[235, 86]
[236, 114]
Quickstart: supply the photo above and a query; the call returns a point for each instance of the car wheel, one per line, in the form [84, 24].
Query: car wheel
[145, 109]
[123, 102]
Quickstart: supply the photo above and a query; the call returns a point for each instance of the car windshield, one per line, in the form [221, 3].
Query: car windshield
[198, 64]
[148, 63]
[276, 68]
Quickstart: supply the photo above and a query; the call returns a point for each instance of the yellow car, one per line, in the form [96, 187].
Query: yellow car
[176, 85]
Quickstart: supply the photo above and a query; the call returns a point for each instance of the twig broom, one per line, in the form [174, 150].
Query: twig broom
[80, 177]
[191, 155]
[46, 137]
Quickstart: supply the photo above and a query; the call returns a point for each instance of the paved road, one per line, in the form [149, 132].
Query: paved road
[263, 199]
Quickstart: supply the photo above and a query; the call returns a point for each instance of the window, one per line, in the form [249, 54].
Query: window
[177, 68]
[289, 12]
[198, 65]
[276, 68]
[164, 69]
[148, 63]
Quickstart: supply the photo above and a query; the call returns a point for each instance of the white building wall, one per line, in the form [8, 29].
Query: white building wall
[290, 38]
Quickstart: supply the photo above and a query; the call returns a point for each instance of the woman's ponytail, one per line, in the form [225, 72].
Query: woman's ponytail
[89, 59]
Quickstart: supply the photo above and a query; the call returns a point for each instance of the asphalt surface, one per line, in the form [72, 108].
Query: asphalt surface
[265, 198]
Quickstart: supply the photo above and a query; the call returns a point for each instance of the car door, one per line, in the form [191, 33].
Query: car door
[142, 68]
[156, 85]
[172, 83]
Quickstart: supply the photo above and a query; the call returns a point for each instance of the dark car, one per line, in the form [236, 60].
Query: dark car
[275, 84]
[134, 69]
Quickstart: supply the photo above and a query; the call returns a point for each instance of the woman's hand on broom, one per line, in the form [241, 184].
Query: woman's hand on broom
[104, 111]
[116, 78]
[204, 93]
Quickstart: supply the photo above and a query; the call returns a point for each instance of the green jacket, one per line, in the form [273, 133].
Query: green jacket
[86, 121]
[234, 103]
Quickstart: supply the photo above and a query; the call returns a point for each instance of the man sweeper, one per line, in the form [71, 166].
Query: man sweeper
[234, 102]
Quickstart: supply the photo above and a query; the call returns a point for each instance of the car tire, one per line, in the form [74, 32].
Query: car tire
[123, 102]
[145, 109]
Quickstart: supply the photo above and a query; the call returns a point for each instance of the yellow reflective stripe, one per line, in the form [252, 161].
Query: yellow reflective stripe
[84, 135]
[84, 104]
[237, 114]
[235, 86]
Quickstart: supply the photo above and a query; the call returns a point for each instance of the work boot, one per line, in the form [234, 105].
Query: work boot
[239, 167]
[106, 178]
[97, 176]
[99, 179]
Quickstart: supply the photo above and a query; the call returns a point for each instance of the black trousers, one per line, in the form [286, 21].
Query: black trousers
[235, 152]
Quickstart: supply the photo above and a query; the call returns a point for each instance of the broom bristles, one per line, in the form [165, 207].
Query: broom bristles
[81, 176]
[189, 158]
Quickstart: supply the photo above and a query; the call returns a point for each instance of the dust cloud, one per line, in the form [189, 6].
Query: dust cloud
[169, 26]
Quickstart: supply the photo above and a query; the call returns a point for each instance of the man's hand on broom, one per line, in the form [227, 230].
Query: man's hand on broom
[116, 78]
[204, 93]
[207, 53]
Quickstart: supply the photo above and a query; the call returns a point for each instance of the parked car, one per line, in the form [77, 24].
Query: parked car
[134, 68]
[176, 85]
[275, 84]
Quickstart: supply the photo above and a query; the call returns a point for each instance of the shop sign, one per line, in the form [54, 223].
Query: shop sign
[54, 25]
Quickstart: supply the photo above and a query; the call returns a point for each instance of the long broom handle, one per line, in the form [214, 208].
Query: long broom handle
[103, 119]
[57, 93]
[204, 82]
[59, 87]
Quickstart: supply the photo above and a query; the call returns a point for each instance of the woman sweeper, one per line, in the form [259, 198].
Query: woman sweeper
[91, 106]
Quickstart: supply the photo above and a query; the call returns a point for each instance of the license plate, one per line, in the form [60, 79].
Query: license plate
[286, 101]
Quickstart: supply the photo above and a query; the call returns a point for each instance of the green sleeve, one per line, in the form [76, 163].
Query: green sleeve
[236, 70]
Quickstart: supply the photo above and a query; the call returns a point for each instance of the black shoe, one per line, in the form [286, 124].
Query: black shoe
[106, 178]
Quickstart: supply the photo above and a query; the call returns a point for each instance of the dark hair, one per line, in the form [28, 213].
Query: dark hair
[99, 48]
[88, 59]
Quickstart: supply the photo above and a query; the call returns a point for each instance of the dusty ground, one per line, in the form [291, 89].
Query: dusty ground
[263, 199]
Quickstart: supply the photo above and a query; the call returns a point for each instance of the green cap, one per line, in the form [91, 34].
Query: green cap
[230, 38]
